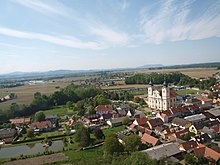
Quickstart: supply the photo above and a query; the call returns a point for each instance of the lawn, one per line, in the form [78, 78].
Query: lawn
[187, 91]
[109, 131]
[60, 111]
[91, 156]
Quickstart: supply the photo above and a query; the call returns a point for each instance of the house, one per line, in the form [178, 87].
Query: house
[203, 151]
[20, 121]
[115, 121]
[165, 116]
[152, 123]
[188, 146]
[42, 126]
[146, 138]
[106, 117]
[181, 122]
[196, 119]
[216, 128]
[123, 109]
[215, 112]
[7, 133]
[163, 150]
[71, 122]
[104, 109]
[203, 138]
[140, 121]
[52, 118]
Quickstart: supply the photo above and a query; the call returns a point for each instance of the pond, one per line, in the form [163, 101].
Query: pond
[30, 149]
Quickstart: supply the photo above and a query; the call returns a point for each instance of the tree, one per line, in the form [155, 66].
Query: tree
[112, 145]
[132, 143]
[30, 133]
[69, 104]
[82, 135]
[98, 133]
[39, 116]
[140, 158]
[190, 159]
[67, 129]
[91, 110]
[125, 121]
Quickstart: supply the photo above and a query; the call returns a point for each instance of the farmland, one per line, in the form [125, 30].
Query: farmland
[25, 93]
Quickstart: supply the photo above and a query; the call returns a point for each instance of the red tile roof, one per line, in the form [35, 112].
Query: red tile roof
[20, 120]
[104, 108]
[142, 121]
[173, 94]
[149, 139]
[41, 125]
[206, 152]
[189, 145]
[216, 128]
[155, 122]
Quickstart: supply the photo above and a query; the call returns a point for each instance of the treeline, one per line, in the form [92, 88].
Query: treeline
[75, 97]
[155, 78]
[71, 93]
[175, 78]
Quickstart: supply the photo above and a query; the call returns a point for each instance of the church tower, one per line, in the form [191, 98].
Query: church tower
[166, 96]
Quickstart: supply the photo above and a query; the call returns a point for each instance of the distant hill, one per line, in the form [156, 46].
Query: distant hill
[151, 66]
[72, 73]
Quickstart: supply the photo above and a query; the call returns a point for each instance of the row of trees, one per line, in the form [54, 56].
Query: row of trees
[71, 93]
[176, 78]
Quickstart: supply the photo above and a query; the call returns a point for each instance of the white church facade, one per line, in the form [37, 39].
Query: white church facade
[161, 98]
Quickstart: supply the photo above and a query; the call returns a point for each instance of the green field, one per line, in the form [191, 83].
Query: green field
[60, 111]
[187, 91]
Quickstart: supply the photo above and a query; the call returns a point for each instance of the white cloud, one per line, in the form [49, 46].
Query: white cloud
[73, 42]
[109, 35]
[41, 6]
[173, 21]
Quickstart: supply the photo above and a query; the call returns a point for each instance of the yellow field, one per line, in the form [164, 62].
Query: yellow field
[25, 93]
[126, 86]
[192, 72]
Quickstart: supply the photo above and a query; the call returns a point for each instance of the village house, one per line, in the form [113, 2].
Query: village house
[20, 121]
[163, 150]
[146, 138]
[104, 109]
[202, 138]
[114, 122]
[161, 98]
[181, 122]
[188, 146]
[43, 126]
[157, 122]
[196, 119]
[215, 112]
[7, 135]
[204, 151]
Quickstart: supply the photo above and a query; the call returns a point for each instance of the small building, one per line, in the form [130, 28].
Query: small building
[104, 109]
[152, 123]
[203, 139]
[146, 138]
[188, 146]
[7, 133]
[196, 119]
[20, 121]
[43, 126]
[115, 121]
[163, 150]
[183, 123]
[203, 151]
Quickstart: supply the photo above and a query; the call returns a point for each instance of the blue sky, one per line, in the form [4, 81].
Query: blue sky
[40, 35]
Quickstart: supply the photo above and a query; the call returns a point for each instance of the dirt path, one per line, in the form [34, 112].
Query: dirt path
[40, 160]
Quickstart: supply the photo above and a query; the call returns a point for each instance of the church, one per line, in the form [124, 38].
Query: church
[161, 98]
